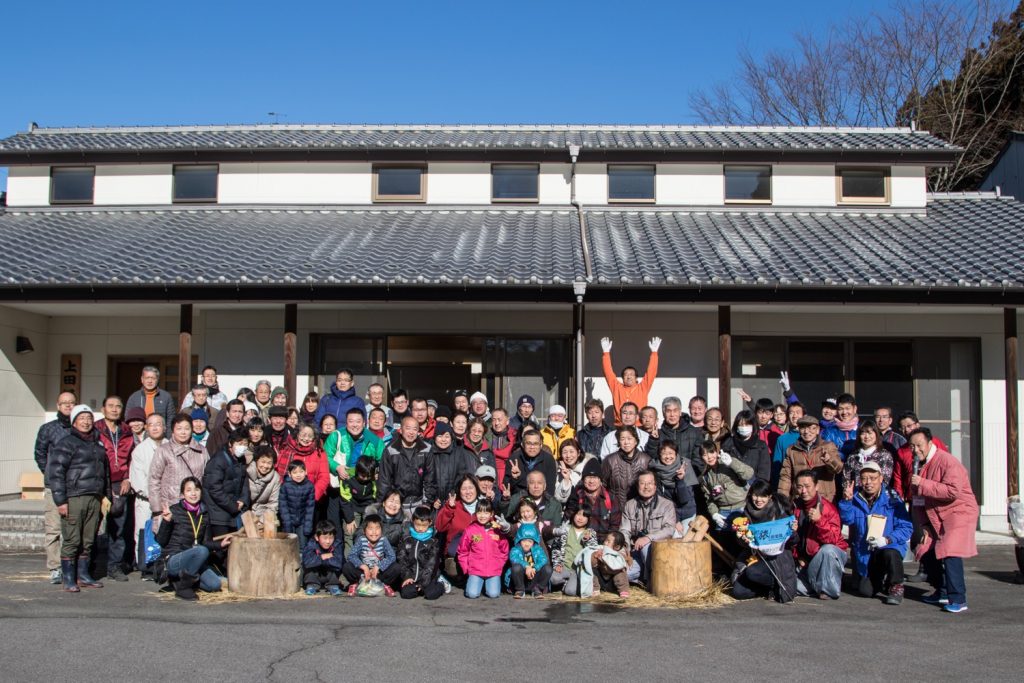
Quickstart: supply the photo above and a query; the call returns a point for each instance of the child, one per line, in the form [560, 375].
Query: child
[612, 565]
[530, 569]
[264, 483]
[673, 486]
[392, 517]
[482, 553]
[371, 557]
[321, 560]
[418, 556]
[296, 501]
[527, 514]
[570, 539]
[357, 493]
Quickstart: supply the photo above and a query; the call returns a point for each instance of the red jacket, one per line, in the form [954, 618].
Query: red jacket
[314, 459]
[119, 456]
[502, 447]
[452, 521]
[770, 435]
[826, 531]
[903, 468]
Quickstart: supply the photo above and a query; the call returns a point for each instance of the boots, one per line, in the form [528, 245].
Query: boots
[67, 570]
[84, 579]
[184, 587]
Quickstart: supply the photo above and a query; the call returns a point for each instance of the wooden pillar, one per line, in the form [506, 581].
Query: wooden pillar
[724, 360]
[185, 379]
[577, 368]
[291, 325]
[1012, 417]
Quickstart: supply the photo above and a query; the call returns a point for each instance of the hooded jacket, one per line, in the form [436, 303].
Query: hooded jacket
[537, 557]
[338, 403]
[553, 439]
[78, 467]
[342, 450]
[725, 486]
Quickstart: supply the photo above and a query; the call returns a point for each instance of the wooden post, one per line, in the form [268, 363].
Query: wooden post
[577, 369]
[724, 360]
[291, 325]
[184, 353]
[1012, 417]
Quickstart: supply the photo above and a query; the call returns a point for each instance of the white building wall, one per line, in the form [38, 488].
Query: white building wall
[295, 183]
[28, 186]
[554, 183]
[22, 394]
[139, 184]
[591, 184]
[690, 184]
[451, 183]
[804, 185]
[908, 186]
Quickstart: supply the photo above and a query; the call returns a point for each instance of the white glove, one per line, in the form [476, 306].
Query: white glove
[606, 344]
[719, 520]
[503, 523]
[880, 542]
[654, 344]
[784, 381]
[725, 458]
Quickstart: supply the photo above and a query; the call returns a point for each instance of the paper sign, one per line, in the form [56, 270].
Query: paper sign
[771, 537]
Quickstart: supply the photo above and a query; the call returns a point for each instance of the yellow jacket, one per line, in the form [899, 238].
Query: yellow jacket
[553, 440]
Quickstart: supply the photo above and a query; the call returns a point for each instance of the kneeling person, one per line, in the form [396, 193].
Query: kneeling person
[821, 550]
[371, 557]
[419, 556]
[321, 560]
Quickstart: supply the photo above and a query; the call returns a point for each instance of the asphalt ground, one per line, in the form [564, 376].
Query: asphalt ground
[127, 631]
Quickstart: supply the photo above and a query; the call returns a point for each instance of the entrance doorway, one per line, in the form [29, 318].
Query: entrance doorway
[123, 373]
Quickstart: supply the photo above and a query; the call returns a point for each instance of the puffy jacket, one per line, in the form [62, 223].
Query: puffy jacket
[543, 463]
[620, 473]
[49, 434]
[553, 439]
[782, 445]
[77, 466]
[312, 555]
[502, 446]
[263, 490]
[312, 457]
[342, 450]
[419, 560]
[821, 456]
[163, 404]
[730, 481]
[605, 514]
[769, 434]
[537, 557]
[898, 526]
[826, 531]
[225, 483]
[655, 519]
[591, 437]
[380, 554]
[838, 436]
[295, 506]
[444, 468]
[119, 445]
[754, 452]
[636, 393]
[482, 551]
[172, 463]
[177, 535]
[338, 403]
[479, 454]
[404, 470]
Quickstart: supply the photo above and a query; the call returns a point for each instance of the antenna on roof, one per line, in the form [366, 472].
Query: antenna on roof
[276, 115]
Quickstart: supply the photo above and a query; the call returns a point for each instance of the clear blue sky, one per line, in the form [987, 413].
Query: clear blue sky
[129, 63]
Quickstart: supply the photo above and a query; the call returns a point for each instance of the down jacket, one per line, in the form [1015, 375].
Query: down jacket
[295, 507]
[47, 437]
[482, 551]
[78, 467]
[404, 470]
[225, 483]
[177, 535]
[419, 560]
[119, 445]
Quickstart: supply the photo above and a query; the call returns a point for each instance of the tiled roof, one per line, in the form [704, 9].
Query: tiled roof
[960, 242]
[468, 137]
[286, 247]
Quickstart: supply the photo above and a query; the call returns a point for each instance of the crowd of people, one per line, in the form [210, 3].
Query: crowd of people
[418, 495]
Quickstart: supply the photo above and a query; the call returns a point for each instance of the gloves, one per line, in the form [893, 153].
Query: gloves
[654, 344]
[719, 520]
[876, 543]
[503, 524]
[784, 381]
[606, 344]
[725, 458]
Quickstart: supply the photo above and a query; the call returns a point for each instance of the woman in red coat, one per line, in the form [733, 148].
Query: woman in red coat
[945, 504]
[306, 448]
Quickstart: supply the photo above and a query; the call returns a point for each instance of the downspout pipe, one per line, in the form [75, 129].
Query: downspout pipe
[579, 288]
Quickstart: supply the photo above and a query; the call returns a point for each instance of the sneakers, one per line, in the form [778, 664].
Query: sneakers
[447, 584]
[936, 598]
[312, 590]
[895, 595]
[955, 607]
[536, 593]
[116, 574]
[519, 595]
[335, 590]
[55, 576]
[389, 591]
[352, 590]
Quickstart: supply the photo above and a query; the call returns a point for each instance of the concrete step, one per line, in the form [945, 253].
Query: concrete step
[12, 521]
[21, 540]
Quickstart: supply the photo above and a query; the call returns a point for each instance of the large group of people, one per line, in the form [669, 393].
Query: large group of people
[422, 494]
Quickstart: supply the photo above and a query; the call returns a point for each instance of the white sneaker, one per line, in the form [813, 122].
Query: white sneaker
[55, 576]
[446, 584]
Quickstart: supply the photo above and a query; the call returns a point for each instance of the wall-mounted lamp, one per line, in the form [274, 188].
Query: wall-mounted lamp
[23, 345]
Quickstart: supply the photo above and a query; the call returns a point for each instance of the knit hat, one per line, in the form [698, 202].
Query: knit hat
[527, 531]
[278, 391]
[591, 469]
[526, 398]
[478, 396]
[277, 411]
[432, 404]
[135, 414]
[78, 410]
[443, 411]
[556, 409]
[460, 392]
[442, 428]
[200, 414]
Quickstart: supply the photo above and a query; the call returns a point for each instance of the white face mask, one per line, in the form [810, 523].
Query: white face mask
[745, 431]
[556, 425]
[239, 450]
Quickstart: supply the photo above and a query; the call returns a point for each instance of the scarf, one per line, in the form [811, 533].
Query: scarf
[470, 507]
[214, 390]
[421, 537]
[848, 425]
[765, 514]
[305, 451]
[665, 474]
[194, 509]
[306, 416]
[199, 437]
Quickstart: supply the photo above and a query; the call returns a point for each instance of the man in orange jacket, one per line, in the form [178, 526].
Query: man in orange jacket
[629, 389]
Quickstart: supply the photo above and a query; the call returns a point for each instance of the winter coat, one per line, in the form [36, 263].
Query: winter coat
[553, 439]
[452, 521]
[834, 434]
[947, 502]
[419, 560]
[138, 473]
[782, 445]
[619, 474]
[782, 566]
[502, 446]
[46, 439]
[611, 443]
[445, 466]
[567, 543]
[826, 531]
[479, 454]
[172, 463]
[655, 519]
[768, 435]
[163, 404]
[296, 503]
[854, 459]
[591, 437]
[119, 455]
[482, 551]
[312, 457]
[219, 432]
[338, 403]
[342, 450]
[404, 470]
[725, 486]
[393, 527]
[606, 515]
[549, 509]
[753, 452]
[356, 496]
[620, 392]
[821, 456]
[537, 558]
[563, 488]
[225, 483]
[380, 554]
[543, 463]
[903, 469]
[688, 439]
[263, 491]
[177, 535]
[676, 490]
[898, 527]
[77, 466]
[312, 555]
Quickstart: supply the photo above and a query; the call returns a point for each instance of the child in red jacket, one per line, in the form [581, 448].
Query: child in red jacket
[483, 552]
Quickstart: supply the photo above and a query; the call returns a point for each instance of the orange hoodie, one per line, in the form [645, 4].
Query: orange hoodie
[637, 393]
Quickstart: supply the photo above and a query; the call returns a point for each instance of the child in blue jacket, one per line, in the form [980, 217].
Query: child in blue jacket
[372, 557]
[530, 569]
[322, 560]
[295, 503]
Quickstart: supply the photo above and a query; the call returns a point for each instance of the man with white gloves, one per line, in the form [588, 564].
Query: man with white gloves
[629, 389]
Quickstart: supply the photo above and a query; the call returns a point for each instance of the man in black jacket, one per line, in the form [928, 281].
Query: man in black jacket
[531, 457]
[151, 398]
[78, 475]
[592, 434]
[49, 434]
[403, 466]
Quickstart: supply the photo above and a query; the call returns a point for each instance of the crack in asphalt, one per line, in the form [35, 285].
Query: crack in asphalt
[334, 636]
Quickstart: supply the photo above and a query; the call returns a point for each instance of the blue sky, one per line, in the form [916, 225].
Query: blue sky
[129, 63]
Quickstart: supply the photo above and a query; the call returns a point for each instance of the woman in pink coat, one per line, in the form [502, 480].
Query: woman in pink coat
[946, 507]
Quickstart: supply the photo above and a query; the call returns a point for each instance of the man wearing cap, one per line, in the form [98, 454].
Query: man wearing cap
[486, 478]
[279, 433]
[877, 556]
[135, 418]
[150, 397]
[460, 401]
[810, 452]
[525, 405]
[556, 430]
[118, 442]
[77, 472]
[478, 407]
[605, 514]
[47, 438]
[629, 389]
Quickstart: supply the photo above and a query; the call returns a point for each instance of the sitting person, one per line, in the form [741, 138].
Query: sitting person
[605, 514]
[529, 568]
[482, 553]
[878, 560]
[548, 509]
[724, 483]
[821, 551]
[646, 518]
[419, 555]
[568, 541]
[322, 560]
[296, 503]
[184, 537]
[611, 564]
[392, 517]
[264, 484]
[372, 557]
[670, 473]
[758, 573]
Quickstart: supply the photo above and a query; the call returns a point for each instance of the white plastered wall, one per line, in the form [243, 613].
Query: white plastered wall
[690, 184]
[458, 183]
[22, 394]
[294, 183]
[28, 186]
[804, 185]
[139, 184]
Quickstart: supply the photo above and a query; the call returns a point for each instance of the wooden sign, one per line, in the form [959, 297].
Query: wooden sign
[71, 373]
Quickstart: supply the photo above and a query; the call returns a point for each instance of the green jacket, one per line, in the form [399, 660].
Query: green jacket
[341, 449]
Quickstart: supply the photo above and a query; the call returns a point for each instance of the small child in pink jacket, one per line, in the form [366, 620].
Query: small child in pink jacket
[483, 552]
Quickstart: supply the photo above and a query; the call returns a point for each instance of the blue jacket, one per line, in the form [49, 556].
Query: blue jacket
[517, 556]
[782, 445]
[295, 506]
[380, 554]
[898, 526]
[838, 436]
[338, 403]
[311, 555]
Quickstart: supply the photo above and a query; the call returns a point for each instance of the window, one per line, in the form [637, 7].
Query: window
[71, 185]
[514, 182]
[630, 183]
[399, 183]
[195, 183]
[748, 184]
[862, 185]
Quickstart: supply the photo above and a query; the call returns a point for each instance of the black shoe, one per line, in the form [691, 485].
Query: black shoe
[67, 570]
[116, 574]
[185, 587]
[865, 587]
[84, 578]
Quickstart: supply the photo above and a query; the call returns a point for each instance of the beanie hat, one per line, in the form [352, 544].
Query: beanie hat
[200, 414]
[443, 411]
[277, 411]
[442, 428]
[478, 396]
[556, 409]
[79, 409]
[526, 398]
[591, 469]
[135, 414]
[278, 391]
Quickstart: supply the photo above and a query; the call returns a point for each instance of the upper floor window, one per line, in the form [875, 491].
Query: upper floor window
[399, 183]
[71, 184]
[514, 182]
[193, 183]
[859, 185]
[630, 183]
[748, 184]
